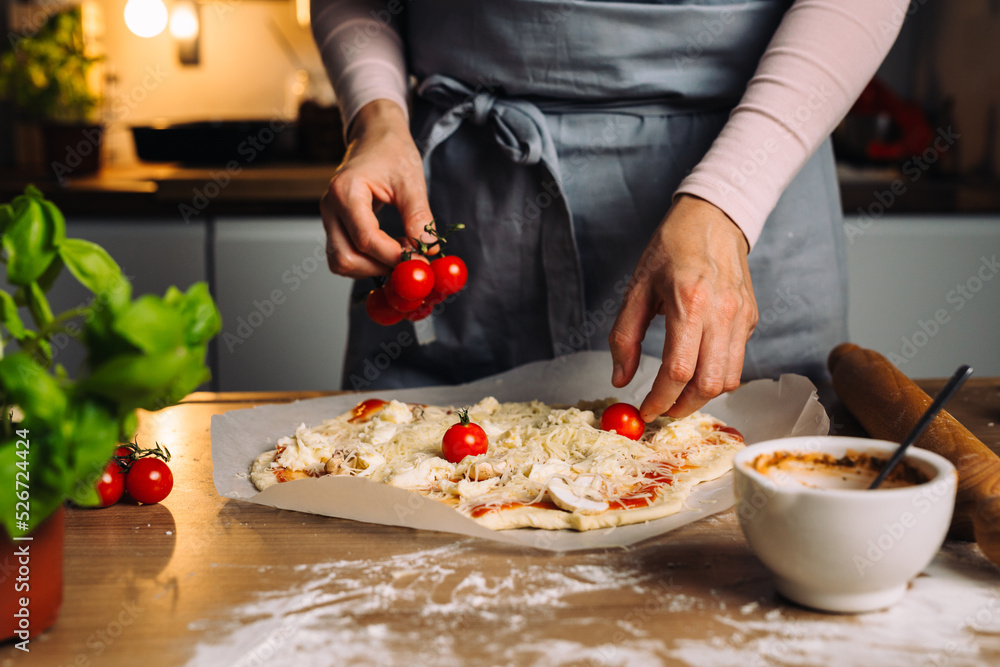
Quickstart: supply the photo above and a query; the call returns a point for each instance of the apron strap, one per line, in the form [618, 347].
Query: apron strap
[520, 131]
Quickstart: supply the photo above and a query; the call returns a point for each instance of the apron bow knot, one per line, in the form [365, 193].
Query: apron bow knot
[518, 127]
[520, 131]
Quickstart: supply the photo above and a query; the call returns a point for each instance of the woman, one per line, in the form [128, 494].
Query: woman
[612, 161]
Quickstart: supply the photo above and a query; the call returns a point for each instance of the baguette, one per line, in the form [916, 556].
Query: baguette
[888, 405]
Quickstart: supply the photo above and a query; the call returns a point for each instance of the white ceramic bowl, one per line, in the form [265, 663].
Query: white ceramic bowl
[844, 550]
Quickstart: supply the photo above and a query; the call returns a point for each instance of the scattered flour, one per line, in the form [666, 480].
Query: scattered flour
[949, 616]
[414, 609]
[352, 613]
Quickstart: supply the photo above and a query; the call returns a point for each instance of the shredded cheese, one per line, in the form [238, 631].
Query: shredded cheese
[536, 453]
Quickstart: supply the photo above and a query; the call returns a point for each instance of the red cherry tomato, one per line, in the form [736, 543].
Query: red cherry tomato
[450, 274]
[435, 297]
[464, 439]
[412, 279]
[111, 484]
[399, 303]
[379, 310]
[149, 480]
[624, 420]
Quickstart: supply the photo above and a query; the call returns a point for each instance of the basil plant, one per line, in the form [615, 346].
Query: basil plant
[58, 432]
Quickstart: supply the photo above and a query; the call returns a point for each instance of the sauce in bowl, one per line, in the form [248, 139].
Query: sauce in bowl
[820, 470]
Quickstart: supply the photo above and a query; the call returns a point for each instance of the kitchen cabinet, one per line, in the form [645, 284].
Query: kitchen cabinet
[925, 291]
[284, 314]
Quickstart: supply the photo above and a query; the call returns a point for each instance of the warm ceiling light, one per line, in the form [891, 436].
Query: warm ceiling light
[184, 21]
[146, 18]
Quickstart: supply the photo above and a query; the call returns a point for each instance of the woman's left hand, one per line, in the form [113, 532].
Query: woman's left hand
[694, 272]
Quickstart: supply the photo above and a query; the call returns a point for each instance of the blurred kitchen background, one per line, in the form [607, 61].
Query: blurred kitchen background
[215, 132]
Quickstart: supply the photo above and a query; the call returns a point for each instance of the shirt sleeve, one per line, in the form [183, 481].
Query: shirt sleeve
[362, 52]
[819, 60]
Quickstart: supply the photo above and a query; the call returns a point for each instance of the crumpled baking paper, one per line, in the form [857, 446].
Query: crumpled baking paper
[761, 410]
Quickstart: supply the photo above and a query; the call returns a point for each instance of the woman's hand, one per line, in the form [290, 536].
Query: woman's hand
[382, 166]
[694, 271]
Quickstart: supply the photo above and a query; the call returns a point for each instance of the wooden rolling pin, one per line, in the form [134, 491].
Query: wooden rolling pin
[888, 405]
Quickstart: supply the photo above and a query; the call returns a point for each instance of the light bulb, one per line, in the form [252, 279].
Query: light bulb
[146, 18]
[184, 21]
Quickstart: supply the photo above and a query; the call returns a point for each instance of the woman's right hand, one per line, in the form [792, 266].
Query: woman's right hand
[382, 166]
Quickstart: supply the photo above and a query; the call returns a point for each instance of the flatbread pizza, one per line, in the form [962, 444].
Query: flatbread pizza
[549, 467]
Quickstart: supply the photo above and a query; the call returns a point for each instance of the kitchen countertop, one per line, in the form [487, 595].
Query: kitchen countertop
[295, 189]
[163, 189]
[204, 580]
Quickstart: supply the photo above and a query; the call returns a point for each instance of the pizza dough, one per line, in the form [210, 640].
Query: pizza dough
[546, 467]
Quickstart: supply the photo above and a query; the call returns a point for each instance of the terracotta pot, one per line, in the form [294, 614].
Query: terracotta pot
[39, 581]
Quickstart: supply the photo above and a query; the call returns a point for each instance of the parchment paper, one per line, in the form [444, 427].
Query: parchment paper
[761, 410]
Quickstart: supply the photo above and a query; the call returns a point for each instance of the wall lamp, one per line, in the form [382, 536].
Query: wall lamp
[148, 18]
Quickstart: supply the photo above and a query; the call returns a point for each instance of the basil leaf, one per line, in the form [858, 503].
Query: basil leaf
[96, 270]
[29, 242]
[201, 316]
[91, 436]
[139, 380]
[25, 383]
[6, 217]
[57, 223]
[37, 304]
[150, 325]
[9, 316]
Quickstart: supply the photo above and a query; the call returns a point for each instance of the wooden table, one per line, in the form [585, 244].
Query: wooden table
[204, 580]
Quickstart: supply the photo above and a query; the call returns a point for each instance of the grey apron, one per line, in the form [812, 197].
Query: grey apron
[557, 133]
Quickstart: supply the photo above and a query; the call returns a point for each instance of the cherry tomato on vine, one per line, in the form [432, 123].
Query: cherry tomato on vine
[379, 310]
[400, 304]
[435, 297]
[111, 483]
[412, 279]
[450, 274]
[624, 420]
[149, 480]
[463, 439]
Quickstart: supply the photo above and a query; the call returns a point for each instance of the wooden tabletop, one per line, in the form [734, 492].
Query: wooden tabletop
[204, 580]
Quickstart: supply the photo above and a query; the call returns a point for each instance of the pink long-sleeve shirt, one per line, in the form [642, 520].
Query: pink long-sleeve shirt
[819, 60]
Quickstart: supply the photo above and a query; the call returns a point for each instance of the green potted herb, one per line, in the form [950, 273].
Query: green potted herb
[57, 432]
[44, 75]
